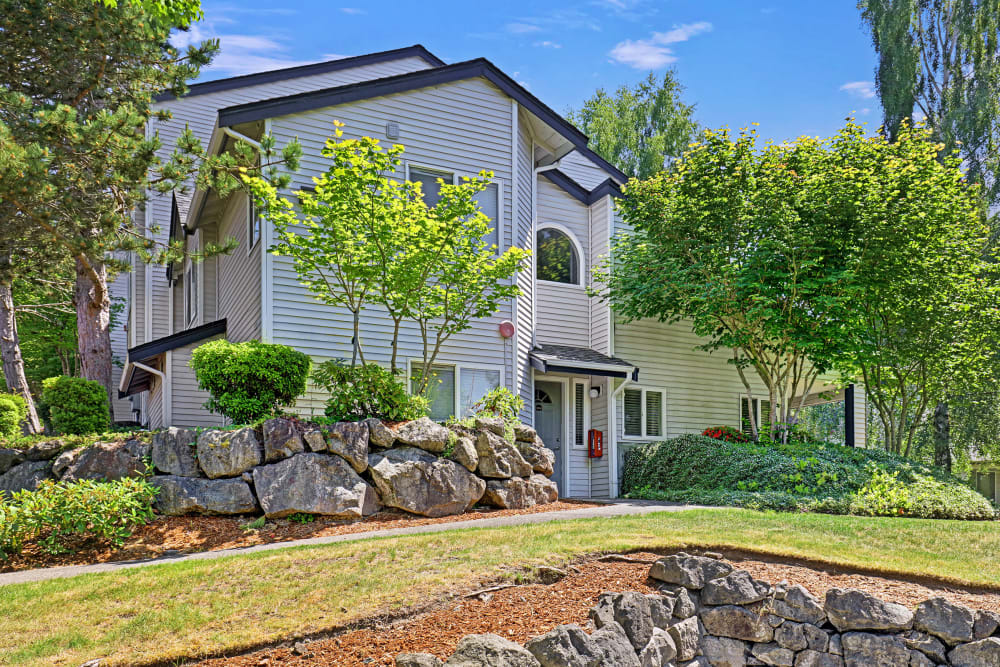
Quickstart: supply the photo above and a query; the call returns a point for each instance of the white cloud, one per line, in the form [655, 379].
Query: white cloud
[520, 28]
[682, 33]
[865, 111]
[240, 54]
[334, 56]
[353, 10]
[548, 45]
[864, 90]
[642, 54]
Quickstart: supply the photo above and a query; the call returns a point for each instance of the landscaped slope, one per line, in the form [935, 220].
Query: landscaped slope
[796, 477]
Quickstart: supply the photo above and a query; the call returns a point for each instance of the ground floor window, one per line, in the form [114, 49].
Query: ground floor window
[761, 414]
[453, 389]
[644, 410]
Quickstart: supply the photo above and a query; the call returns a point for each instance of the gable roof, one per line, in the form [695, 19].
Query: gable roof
[415, 51]
[580, 193]
[480, 67]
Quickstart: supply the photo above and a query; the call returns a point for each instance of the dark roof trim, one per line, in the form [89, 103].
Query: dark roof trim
[480, 67]
[417, 50]
[544, 367]
[580, 360]
[157, 347]
[578, 192]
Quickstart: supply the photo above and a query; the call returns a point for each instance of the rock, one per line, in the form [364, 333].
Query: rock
[816, 639]
[108, 460]
[493, 424]
[418, 660]
[464, 453]
[851, 609]
[986, 624]
[981, 653]
[520, 493]
[687, 636]
[174, 452]
[792, 636]
[700, 661]
[315, 441]
[524, 432]
[565, 646]
[659, 651]
[723, 652]
[811, 658]
[737, 623]
[349, 440]
[314, 484]
[415, 481]
[228, 453]
[498, 458]
[689, 571]
[192, 495]
[836, 645]
[772, 654]
[631, 611]
[543, 489]
[661, 610]
[379, 434]
[799, 605]
[281, 440]
[549, 575]
[685, 602]
[541, 458]
[9, 458]
[490, 651]
[863, 649]
[737, 587]
[614, 646]
[25, 476]
[929, 646]
[64, 461]
[44, 451]
[949, 621]
[425, 434]
[918, 659]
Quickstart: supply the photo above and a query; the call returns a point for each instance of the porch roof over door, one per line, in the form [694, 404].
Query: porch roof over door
[582, 360]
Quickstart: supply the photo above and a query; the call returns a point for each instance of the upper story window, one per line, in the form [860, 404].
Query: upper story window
[488, 199]
[428, 179]
[253, 226]
[489, 203]
[191, 293]
[557, 258]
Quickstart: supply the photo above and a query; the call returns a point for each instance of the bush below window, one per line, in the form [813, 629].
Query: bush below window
[250, 381]
[499, 402]
[13, 410]
[75, 406]
[365, 391]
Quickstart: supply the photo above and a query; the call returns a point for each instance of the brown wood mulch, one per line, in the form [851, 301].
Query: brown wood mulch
[188, 534]
[521, 612]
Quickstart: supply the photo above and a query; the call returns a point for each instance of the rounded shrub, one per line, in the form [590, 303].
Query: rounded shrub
[252, 380]
[499, 402]
[364, 391]
[75, 406]
[13, 411]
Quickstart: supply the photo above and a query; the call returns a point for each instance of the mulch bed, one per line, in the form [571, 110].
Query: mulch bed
[521, 612]
[168, 536]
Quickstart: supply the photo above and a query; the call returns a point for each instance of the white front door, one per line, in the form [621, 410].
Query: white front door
[549, 423]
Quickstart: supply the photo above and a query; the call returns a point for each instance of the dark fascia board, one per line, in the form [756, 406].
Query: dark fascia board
[543, 366]
[580, 193]
[480, 67]
[417, 50]
[156, 347]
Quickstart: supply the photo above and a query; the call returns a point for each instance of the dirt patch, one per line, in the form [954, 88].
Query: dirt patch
[188, 534]
[521, 612]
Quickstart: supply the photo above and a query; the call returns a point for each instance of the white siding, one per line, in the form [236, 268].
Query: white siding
[582, 170]
[239, 275]
[563, 311]
[600, 312]
[119, 290]
[523, 238]
[187, 400]
[154, 404]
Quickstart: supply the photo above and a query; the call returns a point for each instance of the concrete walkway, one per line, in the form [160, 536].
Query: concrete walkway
[611, 509]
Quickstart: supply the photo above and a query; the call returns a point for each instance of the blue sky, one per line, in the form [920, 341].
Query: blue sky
[796, 67]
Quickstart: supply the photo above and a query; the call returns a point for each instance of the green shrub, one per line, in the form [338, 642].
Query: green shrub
[249, 381]
[499, 402]
[13, 411]
[75, 406]
[59, 513]
[796, 477]
[366, 391]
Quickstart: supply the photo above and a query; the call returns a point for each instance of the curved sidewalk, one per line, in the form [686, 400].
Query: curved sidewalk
[611, 509]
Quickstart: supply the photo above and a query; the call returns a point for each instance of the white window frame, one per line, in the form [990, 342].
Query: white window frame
[663, 412]
[757, 414]
[251, 213]
[192, 286]
[456, 178]
[459, 367]
[586, 412]
[581, 261]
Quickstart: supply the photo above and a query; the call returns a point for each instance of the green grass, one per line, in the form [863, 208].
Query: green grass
[172, 611]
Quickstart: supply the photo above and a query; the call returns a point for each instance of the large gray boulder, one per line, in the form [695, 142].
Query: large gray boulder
[541, 458]
[520, 493]
[723, 651]
[863, 649]
[174, 452]
[464, 453]
[932, 647]
[661, 610]
[737, 623]
[415, 481]
[614, 646]
[565, 646]
[737, 587]
[851, 609]
[630, 610]
[659, 651]
[687, 636]
[986, 623]
[772, 654]
[281, 439]
[313, 483]
[379, 435]
[192, 495]
[349, 440]
[229, 453]
[498, 458]
[9, 458]
[982, 653]
[107, 460]
[798, 605]
[418, 660]
[949, 621]
[811, 658]
[689, 571]
[44, 451]
[425, 434]
[490, 651]
[25, 476]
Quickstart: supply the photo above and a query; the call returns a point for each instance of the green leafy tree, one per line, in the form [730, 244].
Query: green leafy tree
[640, 127]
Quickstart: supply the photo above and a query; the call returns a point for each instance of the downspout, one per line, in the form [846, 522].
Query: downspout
[163, 385]
[613, 422]
[241, 137]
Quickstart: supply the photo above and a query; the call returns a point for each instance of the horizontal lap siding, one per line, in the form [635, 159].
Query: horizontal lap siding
[523, 238]
[119, 291]
[187, 400]
[599, 487]
[563, 311]
[582, 170]
[600, 314]
[154, 404]
[464, 127]
[239, 275]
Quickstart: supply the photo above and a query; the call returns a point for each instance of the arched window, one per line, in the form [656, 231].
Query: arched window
[558, 260]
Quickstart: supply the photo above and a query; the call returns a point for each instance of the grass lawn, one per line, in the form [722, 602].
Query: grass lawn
[177, 610]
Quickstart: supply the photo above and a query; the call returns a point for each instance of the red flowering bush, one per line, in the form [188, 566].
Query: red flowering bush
[726, 433]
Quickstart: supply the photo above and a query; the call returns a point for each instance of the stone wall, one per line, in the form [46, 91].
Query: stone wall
[707, 613]
[347, 470]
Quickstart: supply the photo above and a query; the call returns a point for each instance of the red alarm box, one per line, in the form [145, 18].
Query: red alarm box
[595, 444]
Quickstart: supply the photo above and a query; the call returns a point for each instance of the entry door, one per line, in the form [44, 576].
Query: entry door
[549, 424]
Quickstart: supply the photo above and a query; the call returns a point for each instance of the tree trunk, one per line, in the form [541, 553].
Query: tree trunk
[942, 436]
[93, 323]
[10, 352]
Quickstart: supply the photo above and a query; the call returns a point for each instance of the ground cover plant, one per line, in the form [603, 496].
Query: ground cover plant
[797, 477]
[73, 441]
[167, 612]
